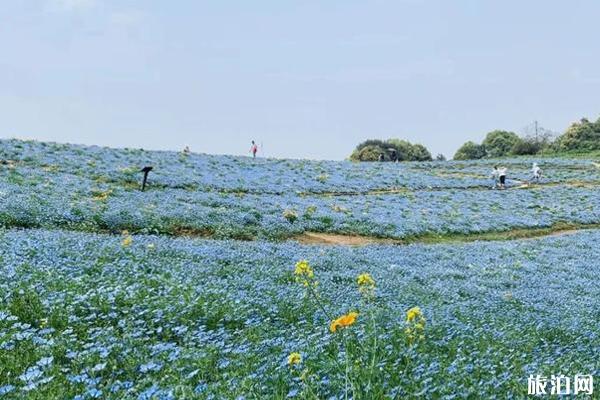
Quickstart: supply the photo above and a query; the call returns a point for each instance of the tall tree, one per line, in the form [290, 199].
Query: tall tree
[371, 149]
[470, 151]
[580, 136]
[499, 143]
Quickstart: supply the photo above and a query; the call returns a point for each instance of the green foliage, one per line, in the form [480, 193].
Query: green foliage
[290, 215]
[499, 143]
[367, 153]
[470, 151]
[580, 136]
[504, 143]
[531, 145]
[25, 304]
[404, 149]
[371, 149]
[420, 153]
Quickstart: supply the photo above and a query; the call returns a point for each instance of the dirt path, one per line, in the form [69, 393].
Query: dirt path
[333, 239]
[565, 232]
[343, 240]
[519, 185]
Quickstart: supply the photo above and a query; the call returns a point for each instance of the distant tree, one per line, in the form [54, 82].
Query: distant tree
[470, 151]
[367, 153]
[370, 150]
[580, 136]
[371, 142]
[530, 145]
[440, 157]
[499, 143]
[420, 153]
[404, 149]
[525, 146]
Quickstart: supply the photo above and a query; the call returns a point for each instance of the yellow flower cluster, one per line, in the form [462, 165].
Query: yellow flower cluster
[290, 215]
[343, 321]
[415, 321]
[304, 273]
[366, 284]
[294, 358]
[303, 269]
[127, 239]
[102, 196]
[413, 314]
[365, 280]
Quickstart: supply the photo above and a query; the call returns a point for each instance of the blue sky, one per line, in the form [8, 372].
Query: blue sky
[308, 79]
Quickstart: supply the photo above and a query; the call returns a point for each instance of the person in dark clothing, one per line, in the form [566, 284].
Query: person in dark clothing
[502, 175]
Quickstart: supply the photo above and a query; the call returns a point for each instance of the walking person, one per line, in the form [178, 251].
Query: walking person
[495, 177]
[253, 149]
[536, 173]
[502, 176]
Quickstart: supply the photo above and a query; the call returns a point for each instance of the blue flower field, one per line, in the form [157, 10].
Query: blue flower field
[200, 287]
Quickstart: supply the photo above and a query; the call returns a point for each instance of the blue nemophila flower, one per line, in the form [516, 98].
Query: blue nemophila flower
[200, 388]
[81, 378]
[6, 389]
[149, 393]
[98, 367]
[45, 362]
[150, 367]
[94, 393]
[32, 374]
[192, 311]
[430, 202]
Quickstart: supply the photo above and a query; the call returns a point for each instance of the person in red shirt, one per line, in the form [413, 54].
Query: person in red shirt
[253, 149]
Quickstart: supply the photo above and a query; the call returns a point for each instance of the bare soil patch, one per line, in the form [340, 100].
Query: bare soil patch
[332, 239]
[342, 240]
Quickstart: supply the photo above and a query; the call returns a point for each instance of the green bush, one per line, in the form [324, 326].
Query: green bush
[371, 149]
[580, 136]
[499, 143]
[470, 151]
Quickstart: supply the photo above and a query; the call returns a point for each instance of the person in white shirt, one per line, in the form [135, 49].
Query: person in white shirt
[536, 173]
[495, 176]
[502, 176]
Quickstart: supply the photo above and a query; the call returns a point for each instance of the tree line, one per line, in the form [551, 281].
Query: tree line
[580, 137]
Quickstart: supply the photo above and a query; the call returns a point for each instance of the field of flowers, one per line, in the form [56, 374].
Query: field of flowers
[110, 292]
[97, 189]
[243, 174]
[85, 316]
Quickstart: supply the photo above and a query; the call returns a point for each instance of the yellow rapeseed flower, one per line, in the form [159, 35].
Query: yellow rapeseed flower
[415, 329]
[127, 239]
[294, 358]
[366, 284]
[343, 321]
[303, 269]
[413, 314]
[365, 280]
